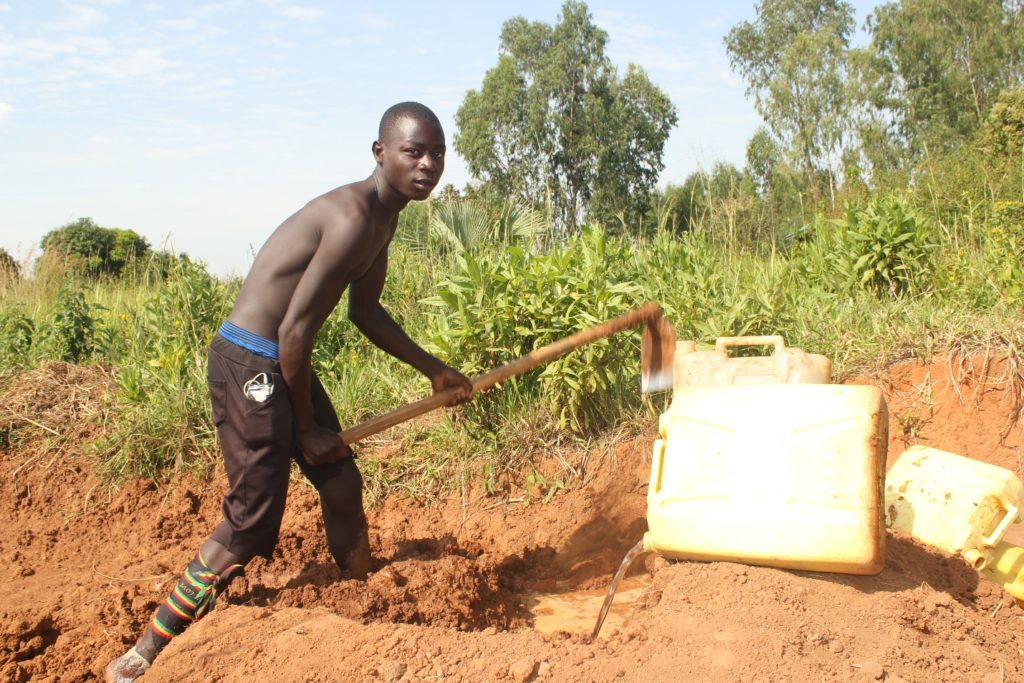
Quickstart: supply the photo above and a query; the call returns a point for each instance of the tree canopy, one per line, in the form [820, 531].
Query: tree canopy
[794, 59]
[553, 121]
[939, 65]
[94, 249]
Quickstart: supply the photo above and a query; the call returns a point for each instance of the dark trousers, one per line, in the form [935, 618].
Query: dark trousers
[258, 442]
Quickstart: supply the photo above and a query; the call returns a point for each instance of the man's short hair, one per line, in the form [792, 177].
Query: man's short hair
[397, 112]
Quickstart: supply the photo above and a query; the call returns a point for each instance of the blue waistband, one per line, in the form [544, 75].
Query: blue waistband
[261, 346]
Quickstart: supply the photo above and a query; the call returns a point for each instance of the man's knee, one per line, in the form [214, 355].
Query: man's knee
[341, 492]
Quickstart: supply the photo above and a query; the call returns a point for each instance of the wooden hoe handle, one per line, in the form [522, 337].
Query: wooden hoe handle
[644, 314]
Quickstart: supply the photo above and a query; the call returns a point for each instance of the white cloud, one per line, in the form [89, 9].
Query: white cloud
[40, 50]
[103, 140]
[730, 78]
[79, 18]
[179, 24]
[5, 109]
[187, 152]
[376, 20]
[293, 11]
[647, 46]
[5, 8]
[214, 8]
[302, 12]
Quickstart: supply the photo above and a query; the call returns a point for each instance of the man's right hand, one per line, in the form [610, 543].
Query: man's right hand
[321, 445]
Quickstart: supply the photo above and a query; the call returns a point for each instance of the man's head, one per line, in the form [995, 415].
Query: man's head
[396, 112]
[410, 149]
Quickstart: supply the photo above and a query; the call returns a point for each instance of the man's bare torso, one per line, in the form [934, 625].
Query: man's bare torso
[283, 260]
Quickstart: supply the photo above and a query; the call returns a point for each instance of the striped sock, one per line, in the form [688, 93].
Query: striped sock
[192, 597]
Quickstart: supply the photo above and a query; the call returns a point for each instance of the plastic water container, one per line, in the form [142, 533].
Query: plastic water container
[693, 368]
[785, 475]
[952, 502]
[1007, 569]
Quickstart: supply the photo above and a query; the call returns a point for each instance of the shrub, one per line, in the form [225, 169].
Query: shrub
[502, 305]
[70, 328]
[16, 333]
[1005, 253]
[1003, 130]
[885, 247]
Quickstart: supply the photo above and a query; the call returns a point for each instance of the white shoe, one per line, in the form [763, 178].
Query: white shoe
[126, 668]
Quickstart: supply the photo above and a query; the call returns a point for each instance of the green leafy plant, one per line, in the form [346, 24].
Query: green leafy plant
[69, 333]
[16, 334]
[1005, 241]
[454, 225]
[886, 246]
[497, 307]
[543, 487]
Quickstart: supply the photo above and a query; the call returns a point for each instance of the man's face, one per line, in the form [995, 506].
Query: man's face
[413, 157]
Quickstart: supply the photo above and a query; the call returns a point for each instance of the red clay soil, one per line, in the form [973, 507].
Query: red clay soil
[86, 567]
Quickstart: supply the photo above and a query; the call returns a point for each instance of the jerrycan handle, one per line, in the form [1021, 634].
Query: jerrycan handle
[997, 535]
[769, 340]
[657, 462]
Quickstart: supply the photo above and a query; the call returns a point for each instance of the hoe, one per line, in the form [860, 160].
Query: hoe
[657, 347]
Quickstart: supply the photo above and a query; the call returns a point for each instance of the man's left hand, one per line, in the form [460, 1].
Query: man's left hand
[448, 378]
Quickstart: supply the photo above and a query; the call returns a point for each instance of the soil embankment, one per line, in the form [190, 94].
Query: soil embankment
[86, 568]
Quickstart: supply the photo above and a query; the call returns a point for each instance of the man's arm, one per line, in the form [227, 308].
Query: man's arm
[317, 293]
[367, 313]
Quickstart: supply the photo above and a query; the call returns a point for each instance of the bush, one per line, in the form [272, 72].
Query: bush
[16, 333]
[70, 328]
[885, 247]
[1005, 252]
[1002, 133]
[499, 306]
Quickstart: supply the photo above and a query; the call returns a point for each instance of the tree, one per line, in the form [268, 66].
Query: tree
[693, 199]
[762, 160]
[553, 122]
[794, 57]
[940, 64]
[636, 126]
[96, 250]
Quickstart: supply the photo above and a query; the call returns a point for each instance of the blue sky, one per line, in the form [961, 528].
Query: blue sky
[203, 125]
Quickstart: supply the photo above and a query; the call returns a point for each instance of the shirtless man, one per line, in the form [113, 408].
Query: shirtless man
[268, 406]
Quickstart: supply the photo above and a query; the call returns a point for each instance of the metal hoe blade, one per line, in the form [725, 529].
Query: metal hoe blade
[657, 349]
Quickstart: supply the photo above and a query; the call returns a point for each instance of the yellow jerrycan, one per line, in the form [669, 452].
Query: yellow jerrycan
[952, 502]
[1007, 569]
[715, 368]
[784, 475]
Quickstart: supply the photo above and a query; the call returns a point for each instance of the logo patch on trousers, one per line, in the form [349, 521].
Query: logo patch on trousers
[259, 388]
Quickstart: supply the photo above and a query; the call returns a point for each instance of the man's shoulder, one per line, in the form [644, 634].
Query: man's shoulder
[346, 206]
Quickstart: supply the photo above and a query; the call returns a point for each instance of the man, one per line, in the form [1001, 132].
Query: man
[268, 405]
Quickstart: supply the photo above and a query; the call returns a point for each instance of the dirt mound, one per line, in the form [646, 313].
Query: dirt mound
[54, 397]
[87, 566]
[449, 590]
